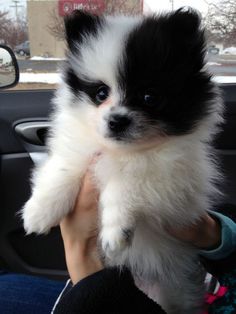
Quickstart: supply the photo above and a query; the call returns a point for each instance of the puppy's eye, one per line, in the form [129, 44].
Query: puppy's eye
[102, 93]
[149, 99]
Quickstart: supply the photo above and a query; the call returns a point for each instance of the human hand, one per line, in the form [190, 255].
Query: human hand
[79, 232]
[205, 234]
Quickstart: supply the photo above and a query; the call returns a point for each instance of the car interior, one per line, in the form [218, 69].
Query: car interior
[20, 151]
[24, 121]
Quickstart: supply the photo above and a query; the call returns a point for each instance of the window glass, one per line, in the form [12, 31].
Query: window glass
[34, 29]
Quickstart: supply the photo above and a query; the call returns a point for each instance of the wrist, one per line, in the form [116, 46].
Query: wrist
[82, 267]
[82, 259]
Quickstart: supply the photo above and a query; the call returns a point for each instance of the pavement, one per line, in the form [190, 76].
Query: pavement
[28, 65]
[224, 65]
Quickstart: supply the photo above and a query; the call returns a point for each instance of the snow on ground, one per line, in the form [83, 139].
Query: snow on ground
[38, 58]
[229, 50]
[213, 63]
[54, 78]
[225, 79]
[48, 78]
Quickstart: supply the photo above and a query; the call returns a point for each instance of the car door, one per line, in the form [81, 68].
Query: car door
[23, 126]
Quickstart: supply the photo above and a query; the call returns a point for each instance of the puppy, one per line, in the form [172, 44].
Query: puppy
[136, 90]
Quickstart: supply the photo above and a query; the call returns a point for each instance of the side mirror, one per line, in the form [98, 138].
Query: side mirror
[9, 70]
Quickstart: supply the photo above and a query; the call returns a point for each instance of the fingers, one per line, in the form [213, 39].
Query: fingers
[89, 194]
[88, 182]
[87, 198]
[204, 234]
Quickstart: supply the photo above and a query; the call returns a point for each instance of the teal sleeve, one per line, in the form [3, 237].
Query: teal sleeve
[228, 238]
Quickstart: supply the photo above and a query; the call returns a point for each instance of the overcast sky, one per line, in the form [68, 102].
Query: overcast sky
[158, 5]
[6, 5]
[154, 5]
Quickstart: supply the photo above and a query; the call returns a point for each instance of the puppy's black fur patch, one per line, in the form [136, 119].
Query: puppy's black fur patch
[72, 81]
[164, 56]
[78, 24]
[79, 86]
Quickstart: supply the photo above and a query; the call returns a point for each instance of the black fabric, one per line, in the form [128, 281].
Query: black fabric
[228, 210]
[219, 267]
[109, 291]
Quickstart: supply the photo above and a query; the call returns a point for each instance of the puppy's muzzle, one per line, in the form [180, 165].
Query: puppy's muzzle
[118, 123]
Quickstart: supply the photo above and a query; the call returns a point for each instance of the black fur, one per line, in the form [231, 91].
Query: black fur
[164, 58]
[78, 24]
[78, 85]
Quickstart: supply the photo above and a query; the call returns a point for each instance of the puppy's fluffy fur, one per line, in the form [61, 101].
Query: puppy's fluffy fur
[136, 90]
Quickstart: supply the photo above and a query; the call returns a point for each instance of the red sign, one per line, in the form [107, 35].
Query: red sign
[67, 6]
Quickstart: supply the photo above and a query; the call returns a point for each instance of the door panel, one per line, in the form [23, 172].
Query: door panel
[43, 255]
[226, 145]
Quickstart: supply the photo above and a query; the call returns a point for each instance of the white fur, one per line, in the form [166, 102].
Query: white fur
[166, 183]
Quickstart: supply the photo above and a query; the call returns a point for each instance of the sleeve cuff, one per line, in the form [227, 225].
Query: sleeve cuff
[228, 238]
[67, 287]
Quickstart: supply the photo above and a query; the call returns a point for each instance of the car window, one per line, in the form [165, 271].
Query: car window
[34, 29]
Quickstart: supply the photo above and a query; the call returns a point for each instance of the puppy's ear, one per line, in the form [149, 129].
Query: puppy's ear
[186, 21]
[189, 38]
[78, 24]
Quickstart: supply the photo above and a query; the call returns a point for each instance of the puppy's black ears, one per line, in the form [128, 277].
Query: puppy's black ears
[189, 37]
[186, 21]
[78, 24]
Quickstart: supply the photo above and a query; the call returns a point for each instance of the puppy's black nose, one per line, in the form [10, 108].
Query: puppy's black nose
[118, 123]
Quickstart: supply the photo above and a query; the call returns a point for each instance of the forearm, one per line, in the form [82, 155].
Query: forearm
[79, 233]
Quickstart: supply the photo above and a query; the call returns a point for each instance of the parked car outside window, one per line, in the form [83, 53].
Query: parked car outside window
[23, 49]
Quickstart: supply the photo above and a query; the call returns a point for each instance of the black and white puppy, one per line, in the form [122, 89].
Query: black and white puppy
[135, 89]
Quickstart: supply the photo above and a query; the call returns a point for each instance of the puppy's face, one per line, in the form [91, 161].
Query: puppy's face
[138, 80]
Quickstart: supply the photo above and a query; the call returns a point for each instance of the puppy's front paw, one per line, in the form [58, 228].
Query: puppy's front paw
[115, 239]
[36, 218]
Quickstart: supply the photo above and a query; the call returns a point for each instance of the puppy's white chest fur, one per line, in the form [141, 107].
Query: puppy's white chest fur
[141, 195]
